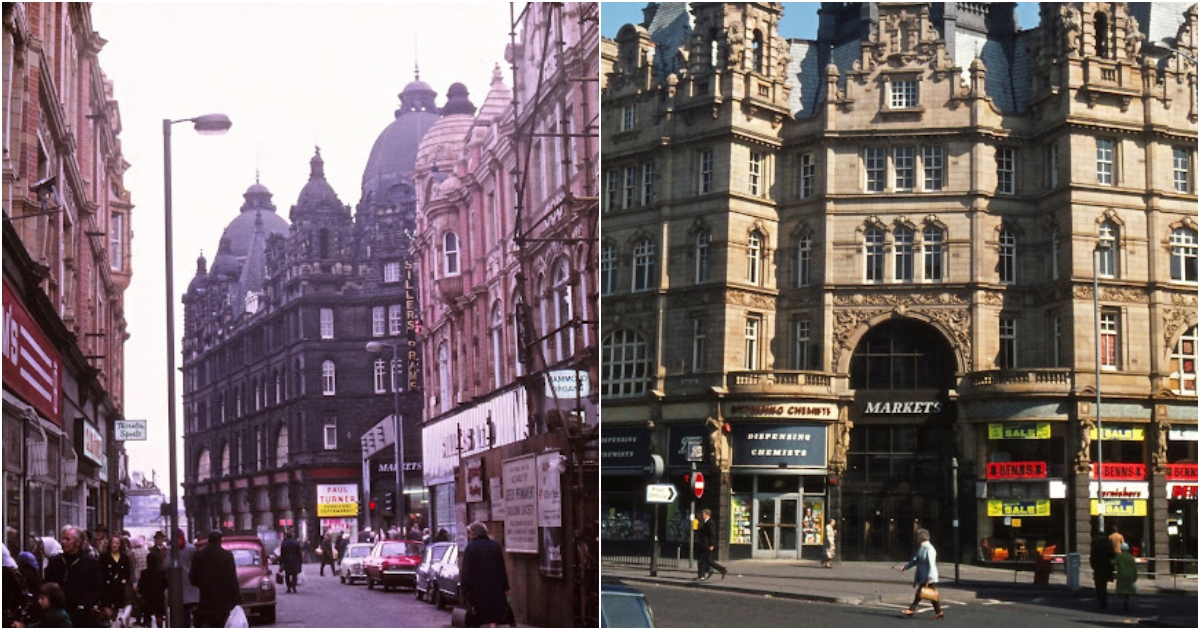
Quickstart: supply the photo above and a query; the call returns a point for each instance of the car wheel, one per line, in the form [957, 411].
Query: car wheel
[268, 615]
[419, 594]
[343, 579]
[438, 600]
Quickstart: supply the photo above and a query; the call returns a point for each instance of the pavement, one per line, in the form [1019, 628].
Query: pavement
[857, 583]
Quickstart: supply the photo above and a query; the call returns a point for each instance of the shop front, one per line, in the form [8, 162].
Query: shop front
[1023, 506]
[625, 519]
[1120, 486]
[1181, 493]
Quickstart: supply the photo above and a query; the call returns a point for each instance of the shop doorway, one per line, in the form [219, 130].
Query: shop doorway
[883, 526]
[777, 531]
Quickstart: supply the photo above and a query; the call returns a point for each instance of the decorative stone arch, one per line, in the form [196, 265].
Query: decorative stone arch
[1176, 320]
[872, 221]
[637, 237]
[905, 222]
[852, 324]
[1186, 223]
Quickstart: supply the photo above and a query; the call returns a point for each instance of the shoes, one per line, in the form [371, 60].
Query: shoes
[724, 572]
[908, 612]
[701, 578]
[939, 615]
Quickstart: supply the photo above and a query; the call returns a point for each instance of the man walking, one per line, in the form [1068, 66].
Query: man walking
[290, 560]
[706, 541]
[215, 573]
[327, 554]
[78, 573]
[484, 578]
[191, 594]
[1102, 567]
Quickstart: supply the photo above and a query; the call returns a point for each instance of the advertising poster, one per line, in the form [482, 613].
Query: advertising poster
[520, 505]
[496, 493]
[549, 490]
[474, 485]
[337, 500]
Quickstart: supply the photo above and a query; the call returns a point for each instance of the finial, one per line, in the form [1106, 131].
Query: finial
[256, 176]
[497, 76]
[417, 71]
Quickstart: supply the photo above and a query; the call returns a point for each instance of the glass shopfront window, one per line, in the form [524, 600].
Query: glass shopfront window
[1023, 512]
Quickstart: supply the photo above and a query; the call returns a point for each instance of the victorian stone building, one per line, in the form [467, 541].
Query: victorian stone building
[507, 224]
[66, 268]
[842, 276]
[281, 396]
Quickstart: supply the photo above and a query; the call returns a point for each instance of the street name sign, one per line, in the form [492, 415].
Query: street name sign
[661, 493]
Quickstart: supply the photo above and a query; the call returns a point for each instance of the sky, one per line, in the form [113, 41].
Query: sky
[290, 77]
[799, 18]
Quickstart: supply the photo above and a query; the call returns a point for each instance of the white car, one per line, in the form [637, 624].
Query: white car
[352, 567]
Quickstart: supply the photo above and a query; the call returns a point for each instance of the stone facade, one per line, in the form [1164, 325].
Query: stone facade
[880, 243]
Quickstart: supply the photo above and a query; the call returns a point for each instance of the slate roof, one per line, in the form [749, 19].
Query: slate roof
[669, 30]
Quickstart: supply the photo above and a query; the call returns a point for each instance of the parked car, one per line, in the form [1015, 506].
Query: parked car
[352, 563]
[253, 572]
[445, 580]
[393, 563]
[432, 557]
[624, 607]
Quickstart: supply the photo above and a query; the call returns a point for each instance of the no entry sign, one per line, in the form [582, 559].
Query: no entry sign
[698, 485]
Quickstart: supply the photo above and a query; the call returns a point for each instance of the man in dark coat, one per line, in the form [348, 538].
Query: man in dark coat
[706, 543]
[327, 553]
[291, 557]
[215, 573]
[484, 578]
[78, 573]
[1102, 566]
[343, 541]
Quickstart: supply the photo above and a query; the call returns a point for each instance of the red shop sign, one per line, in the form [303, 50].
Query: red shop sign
[1181, 491]
[32, 367]
[1016, 470]
[1122, 472]
[1181, 472]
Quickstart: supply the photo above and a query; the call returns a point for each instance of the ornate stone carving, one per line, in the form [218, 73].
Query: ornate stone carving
[991, 298]
[1083, 456]
[738, 297]
[956, 322]
[845, 322]
[1174, 320]
[944, 298]
[1159, 457]
[1127, 295]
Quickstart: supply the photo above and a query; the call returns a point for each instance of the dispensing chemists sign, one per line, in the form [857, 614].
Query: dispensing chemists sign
[520, 505]
[335, 500]
[792, 445]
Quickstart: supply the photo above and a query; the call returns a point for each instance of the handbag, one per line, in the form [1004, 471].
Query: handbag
[930, 592]
[279, 577]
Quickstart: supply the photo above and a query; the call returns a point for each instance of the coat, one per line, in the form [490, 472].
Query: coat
[484, 580]
[706, 536]
[152, 586]
[54, 618]
[291, 557]
[1101, 560]
[117, 576]
[327, 550]
[215, 573]
[1126, 573]
[79, 577]
[191, 594]
[925, 561]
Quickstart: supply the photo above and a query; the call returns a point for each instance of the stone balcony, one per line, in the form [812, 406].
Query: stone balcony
[1031, 381]
[450, 288]
[779, 382]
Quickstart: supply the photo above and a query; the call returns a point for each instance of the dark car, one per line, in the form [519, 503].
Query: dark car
[624, 607]
[352, 563]
[434, 555]
[393, 563]
[445, 580]
[254, 574]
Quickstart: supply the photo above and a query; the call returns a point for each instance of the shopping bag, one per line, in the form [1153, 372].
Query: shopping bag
[300, 579]
[279, 577]
[237, 618]
[930, 592]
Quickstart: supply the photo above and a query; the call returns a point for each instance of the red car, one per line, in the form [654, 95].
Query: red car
[393, 563]
[253, 572]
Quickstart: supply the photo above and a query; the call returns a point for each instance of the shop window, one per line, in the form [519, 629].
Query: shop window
[902, 354]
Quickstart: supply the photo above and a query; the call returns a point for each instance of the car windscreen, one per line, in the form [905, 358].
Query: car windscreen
[358, 552]
[400, 549]
[245, 557]
[624, 611]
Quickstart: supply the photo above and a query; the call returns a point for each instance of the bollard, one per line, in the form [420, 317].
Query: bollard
[1072, 566]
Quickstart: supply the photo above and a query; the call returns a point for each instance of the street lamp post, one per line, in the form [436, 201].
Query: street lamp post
[375, 347]
[208, 124]
[1102, 246]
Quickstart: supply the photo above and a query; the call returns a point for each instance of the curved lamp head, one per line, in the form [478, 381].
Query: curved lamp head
[374, 347]
[211, 124]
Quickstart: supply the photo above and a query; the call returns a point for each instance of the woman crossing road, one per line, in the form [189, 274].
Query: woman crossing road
[926, 577]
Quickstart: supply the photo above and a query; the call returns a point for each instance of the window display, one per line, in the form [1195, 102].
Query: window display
[739, 523]
[813, 521]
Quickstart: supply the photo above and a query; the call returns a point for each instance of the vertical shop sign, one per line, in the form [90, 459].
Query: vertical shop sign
[32, 367]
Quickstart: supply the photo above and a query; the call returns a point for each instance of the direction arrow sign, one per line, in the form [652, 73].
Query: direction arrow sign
[660, 493]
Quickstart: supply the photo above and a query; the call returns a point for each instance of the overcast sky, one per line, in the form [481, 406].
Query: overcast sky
[290, 76]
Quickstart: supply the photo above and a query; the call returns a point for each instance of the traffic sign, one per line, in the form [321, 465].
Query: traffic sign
[661, 493]
[698, 484]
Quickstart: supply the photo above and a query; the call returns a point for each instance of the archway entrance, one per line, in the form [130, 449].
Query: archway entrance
[899, 459]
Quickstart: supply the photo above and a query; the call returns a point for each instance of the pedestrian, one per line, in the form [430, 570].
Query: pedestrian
[1102, 567]
[160, 547]
[484, 578]
[1116, 539]
[78, 574]
[215, 573]
[152, 588]
[1126, 566]
[38, 549]
[52, 604]
[343, 541]
[442, 535]
[139, 550]
[99, 541]
[326, 553]
[117, 570]
[16, 590]
[706, 544]
[191, 594]
[291, 560]
[830, 543]
[925, 561]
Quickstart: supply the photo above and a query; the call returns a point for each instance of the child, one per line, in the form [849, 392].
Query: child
[1126, 574]
[152, 584]
[54, 608]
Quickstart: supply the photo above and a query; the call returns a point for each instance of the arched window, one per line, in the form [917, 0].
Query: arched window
[803, 260]
[281, 447]
[608, 270]
[450, 253]
[1108, 250]
[902, 354]
[328, 378]
[203, 466]
[702, 240]
[563, 311]
[445, 387]
[625, 364]
[754, 258]
[873, 253]
[1008, 257]
[1183, 364]
[643, 266]
[497, 334]
[224, 470]
[933, 243]
[758, 51]
[1183, 254]
[902, 242]
[1102, 34]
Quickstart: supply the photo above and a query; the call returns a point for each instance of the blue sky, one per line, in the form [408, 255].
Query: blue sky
[799, 18]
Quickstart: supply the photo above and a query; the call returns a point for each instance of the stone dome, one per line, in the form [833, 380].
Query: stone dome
[240, 231]
[317, 191]
[443, 143]
[394, 154]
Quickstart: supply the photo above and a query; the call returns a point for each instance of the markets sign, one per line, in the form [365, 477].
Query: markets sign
[1035, 507]
[1120, 507]
[1121, 434]
[32, 367]
[1019, 431]
[1016, 470]
[791, 445]
[1181, 472]
[336, 500]
[1121, 472]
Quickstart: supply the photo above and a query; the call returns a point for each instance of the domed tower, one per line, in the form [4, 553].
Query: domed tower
[322, 229]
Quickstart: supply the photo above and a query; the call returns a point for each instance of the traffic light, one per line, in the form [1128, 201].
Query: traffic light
[372, 506]
[389, 503]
